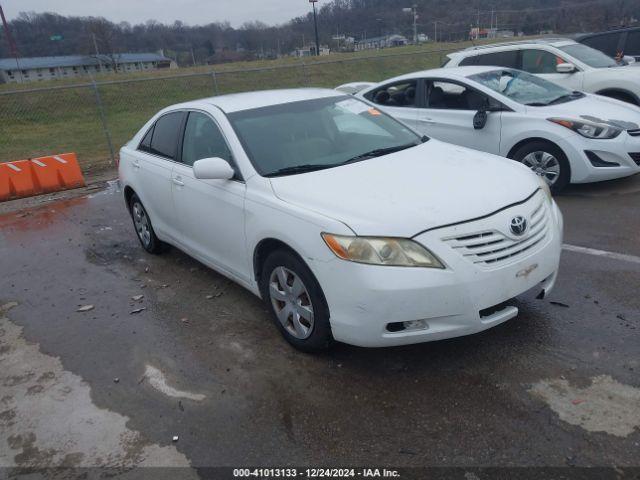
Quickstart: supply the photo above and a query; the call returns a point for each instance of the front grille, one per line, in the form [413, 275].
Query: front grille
[634, 133]
[635, 156]
[492, 247]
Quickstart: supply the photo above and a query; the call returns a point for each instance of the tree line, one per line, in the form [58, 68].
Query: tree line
[44, 34]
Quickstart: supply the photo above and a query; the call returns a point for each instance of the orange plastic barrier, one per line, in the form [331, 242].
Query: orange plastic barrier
[57, 172]
[16, 180]
[39, 175]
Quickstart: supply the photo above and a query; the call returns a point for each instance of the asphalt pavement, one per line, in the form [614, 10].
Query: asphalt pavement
[168, 363]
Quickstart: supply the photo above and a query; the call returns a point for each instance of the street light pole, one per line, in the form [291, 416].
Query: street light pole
[12, 43]
[315, 24]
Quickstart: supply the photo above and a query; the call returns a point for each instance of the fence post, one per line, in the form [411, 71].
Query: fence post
[305, 74]
[215, 82]
[103, 119]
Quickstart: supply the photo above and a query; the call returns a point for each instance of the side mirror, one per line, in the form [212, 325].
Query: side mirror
[565, 68]
[213, 169]
[480, 119]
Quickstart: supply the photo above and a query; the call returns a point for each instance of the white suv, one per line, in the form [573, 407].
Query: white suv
[565, 62]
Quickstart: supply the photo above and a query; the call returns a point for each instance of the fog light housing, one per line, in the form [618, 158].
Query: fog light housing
[409, 326]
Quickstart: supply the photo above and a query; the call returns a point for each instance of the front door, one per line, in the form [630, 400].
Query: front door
[210, 212]
[448, 116]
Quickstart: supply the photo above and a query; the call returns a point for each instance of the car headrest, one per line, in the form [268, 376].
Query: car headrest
[436, 96]
[475, 100]
[382, 97]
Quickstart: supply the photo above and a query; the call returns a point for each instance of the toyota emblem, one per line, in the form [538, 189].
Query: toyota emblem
[518, 225]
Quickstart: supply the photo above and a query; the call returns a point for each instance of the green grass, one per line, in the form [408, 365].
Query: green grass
[67, 120]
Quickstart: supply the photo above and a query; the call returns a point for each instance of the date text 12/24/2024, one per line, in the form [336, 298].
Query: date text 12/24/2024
[315, 473]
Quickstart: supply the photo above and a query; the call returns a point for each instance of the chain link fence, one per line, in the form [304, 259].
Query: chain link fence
[94, 119]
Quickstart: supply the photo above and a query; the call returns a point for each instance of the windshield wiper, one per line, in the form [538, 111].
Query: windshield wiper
[378, 152]
[566, 97]
[298, 169]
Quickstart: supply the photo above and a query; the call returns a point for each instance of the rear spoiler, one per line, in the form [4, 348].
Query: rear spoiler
[354, 87]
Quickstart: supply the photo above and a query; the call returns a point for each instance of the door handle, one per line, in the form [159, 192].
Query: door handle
[178, 181]
[428, 121]
[136, 165]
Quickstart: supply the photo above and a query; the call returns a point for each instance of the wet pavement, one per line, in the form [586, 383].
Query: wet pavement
[197, 358]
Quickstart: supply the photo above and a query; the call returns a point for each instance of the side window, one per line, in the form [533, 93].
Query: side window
[203, 139]
[633, 44]
[166, 134]
[401, 94]
[451, 96]
[468, 61]
[145, 144]
[508, 59]
[540, 61]
[607, 43]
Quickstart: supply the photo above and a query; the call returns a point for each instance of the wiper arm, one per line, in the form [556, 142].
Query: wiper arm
[298, 169]
[378, 152]
[568, 96]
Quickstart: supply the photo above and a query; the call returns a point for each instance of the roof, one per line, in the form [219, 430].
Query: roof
[451, 72]
[539, 41]
[28, 63]
[237, 102]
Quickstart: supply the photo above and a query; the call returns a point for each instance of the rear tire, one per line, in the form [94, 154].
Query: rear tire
[144, 229]
[546, 160]
[296, 302]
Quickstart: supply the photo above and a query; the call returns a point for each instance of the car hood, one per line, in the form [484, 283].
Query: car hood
[596, 109]
[405, 193]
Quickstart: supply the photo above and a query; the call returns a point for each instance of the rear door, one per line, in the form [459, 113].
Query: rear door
[448, 116]
[152, 167]
[210, 212]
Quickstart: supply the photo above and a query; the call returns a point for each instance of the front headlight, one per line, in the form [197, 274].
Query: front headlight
[398, 252]
[589, 129]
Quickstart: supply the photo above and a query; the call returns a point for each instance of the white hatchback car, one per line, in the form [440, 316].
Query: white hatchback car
[347, 223]
[573, 65]
[561, 135]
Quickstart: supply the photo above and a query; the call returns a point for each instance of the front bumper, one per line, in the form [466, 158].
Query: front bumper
[616, 150]
[364, 299]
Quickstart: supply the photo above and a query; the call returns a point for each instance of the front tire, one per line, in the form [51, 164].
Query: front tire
[296, 302]
[144, 229]
[547, 161]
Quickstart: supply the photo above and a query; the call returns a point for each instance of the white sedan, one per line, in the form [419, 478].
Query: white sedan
[564, 136]
[350, 226]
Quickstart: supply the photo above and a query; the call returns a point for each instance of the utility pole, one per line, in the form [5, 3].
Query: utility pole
[12, 44]
[414, 11]
[315, 24]
[435, 33]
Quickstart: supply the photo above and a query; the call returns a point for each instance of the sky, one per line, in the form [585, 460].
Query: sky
[192, 12]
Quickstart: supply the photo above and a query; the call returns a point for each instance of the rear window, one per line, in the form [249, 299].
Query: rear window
[166, 132]
[592, 57]
[508, 59]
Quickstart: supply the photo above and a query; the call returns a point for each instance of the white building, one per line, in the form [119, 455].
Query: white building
[381, 42]
[310, 51]
[34, 69]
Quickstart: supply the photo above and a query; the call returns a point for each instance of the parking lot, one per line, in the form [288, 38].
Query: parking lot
[193, 373]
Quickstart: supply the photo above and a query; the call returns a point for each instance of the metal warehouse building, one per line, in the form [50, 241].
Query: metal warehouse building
[35, 69]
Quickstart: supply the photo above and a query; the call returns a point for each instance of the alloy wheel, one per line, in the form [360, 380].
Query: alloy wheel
[141, 222]
[543, 164]
[291, 302]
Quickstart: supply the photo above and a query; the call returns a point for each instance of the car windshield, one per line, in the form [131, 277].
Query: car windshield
[590, 56]
[310, 135]
[524, 88]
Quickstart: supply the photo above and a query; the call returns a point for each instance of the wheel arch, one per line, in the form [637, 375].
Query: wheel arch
[525, 141]
[612, 92]
[128, 194]
[266, 246]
